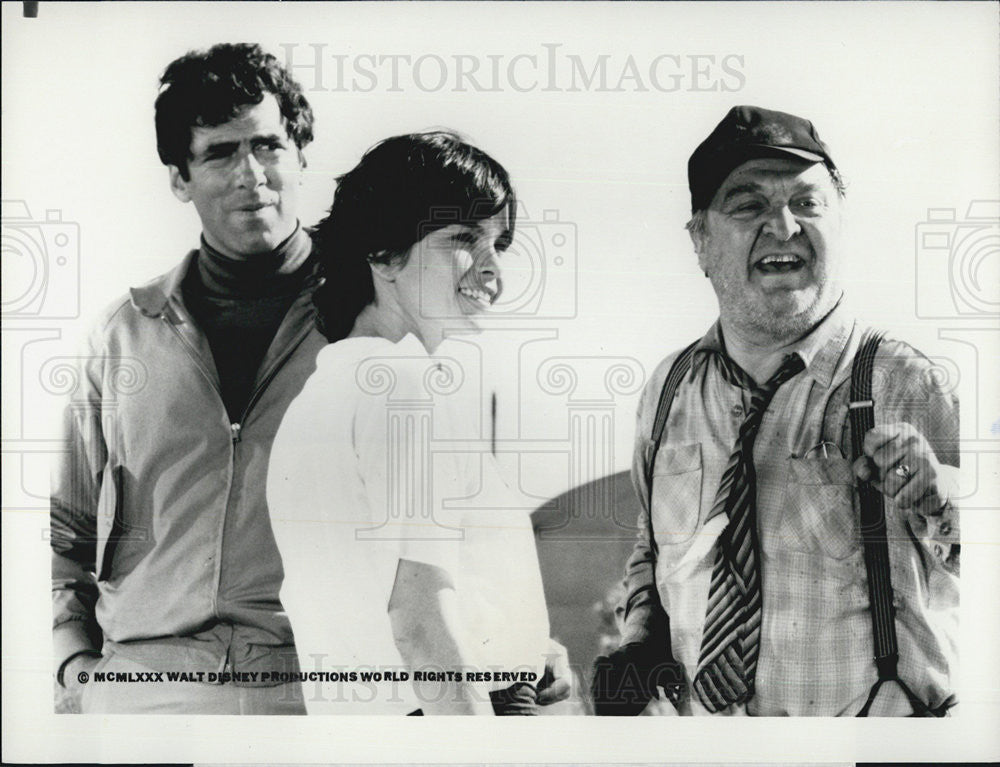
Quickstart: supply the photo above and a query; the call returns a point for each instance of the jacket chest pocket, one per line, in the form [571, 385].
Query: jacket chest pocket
[818, 512]
[676, 495]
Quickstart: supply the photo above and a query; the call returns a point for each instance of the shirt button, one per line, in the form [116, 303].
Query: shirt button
[945, 528]
[737, 411]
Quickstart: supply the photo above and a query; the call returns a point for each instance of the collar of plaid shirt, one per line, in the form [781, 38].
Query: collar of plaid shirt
[820, 350]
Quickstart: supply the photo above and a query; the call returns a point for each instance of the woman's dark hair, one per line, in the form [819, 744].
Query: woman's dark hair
[207, 88]
[403, 189]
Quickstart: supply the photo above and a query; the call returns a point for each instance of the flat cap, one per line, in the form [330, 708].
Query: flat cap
[749, 133]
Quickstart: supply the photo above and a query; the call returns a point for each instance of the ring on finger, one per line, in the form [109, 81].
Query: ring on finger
[903, 472]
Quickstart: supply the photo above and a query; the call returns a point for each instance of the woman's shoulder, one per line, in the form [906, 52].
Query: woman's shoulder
[359, 350]
[375, 366]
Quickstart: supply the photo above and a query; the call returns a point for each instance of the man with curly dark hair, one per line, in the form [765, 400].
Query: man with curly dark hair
[165, 570]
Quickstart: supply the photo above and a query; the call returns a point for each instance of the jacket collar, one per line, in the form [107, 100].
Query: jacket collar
[154, 299]
[165, 297]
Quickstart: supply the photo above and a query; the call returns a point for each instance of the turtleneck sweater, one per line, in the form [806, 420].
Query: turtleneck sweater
[239, 305]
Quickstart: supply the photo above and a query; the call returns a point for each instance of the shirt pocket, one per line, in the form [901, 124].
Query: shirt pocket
[676, 496]
[818, 512]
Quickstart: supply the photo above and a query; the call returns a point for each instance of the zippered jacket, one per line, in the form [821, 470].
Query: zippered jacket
[161, 536]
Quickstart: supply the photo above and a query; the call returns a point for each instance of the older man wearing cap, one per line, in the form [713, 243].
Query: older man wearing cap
[781, 569]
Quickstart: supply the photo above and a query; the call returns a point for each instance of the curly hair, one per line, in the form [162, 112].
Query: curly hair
[206, 88]
[403, 189]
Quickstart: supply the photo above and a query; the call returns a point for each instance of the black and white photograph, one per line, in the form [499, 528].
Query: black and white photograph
[624, 365]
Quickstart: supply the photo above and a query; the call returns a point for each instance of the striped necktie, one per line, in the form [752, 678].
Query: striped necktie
[730, 643]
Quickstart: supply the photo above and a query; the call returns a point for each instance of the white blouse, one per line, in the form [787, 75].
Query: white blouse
[368, 468]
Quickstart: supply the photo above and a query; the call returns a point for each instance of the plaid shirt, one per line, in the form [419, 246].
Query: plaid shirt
[816, 654]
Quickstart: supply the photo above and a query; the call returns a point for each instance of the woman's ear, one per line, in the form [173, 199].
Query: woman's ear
[385, 266]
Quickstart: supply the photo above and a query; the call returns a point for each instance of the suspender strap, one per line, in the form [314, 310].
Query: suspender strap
[873, 532]
[677, 372]
[873, 529]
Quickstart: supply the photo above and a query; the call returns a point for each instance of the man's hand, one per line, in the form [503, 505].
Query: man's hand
[901, 464]
[557, 683]
[627, 679]
[73, 686]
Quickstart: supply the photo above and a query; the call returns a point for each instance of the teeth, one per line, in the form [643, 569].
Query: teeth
[788, 258]
[475, 294]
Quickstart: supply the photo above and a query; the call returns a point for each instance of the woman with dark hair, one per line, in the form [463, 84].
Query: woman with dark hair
[383, 573]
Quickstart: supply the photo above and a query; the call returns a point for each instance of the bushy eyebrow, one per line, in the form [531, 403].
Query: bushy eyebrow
[808, 186]
[220, 148]
[268, 138]
[228, 147]
[752, 187]
[748, 188]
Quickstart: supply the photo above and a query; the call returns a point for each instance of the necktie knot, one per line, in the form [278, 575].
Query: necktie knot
[761, 396]
[790, 366]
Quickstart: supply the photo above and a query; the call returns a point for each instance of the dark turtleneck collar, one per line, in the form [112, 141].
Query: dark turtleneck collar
[277, 273]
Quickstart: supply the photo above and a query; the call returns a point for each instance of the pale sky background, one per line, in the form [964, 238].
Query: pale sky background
[905, 95]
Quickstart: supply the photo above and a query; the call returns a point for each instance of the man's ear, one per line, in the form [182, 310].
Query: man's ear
[178, 185]
[697, 236]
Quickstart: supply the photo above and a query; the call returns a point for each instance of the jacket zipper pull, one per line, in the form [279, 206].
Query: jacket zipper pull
[235, 430]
